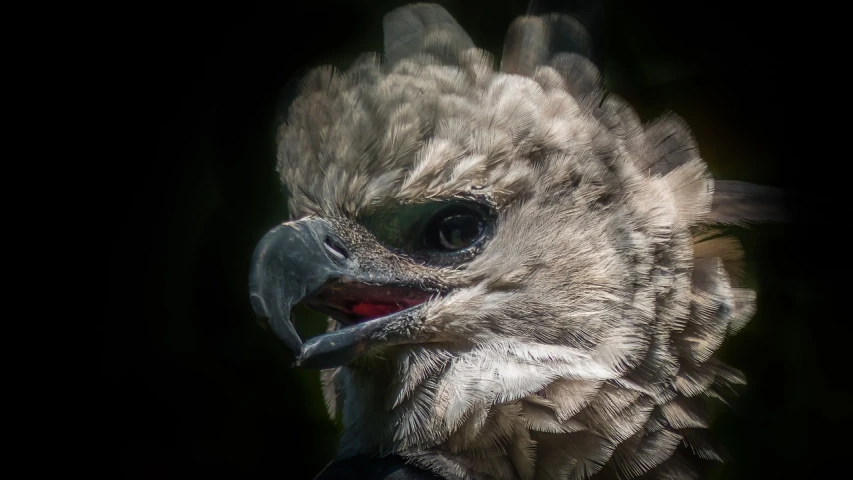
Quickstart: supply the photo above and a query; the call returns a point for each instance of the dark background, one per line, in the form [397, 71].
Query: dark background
[193, 387]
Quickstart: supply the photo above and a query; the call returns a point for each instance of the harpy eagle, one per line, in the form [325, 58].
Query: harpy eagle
[523, 280]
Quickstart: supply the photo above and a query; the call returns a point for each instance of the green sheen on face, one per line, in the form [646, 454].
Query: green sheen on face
[402, 226]
[440, 233]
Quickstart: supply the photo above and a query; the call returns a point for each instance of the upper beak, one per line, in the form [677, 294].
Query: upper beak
[308, 260]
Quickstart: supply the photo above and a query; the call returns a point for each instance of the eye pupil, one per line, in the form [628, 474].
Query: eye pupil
[458, 231]
[454, 229]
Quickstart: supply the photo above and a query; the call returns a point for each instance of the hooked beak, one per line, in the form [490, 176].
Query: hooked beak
[307, 261]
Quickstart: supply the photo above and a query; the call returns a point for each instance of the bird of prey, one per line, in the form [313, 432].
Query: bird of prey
[523, 280]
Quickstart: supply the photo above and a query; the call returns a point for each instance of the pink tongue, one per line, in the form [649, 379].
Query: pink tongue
[373, 310]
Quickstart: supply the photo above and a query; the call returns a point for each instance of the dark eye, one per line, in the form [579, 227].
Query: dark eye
[454, 228]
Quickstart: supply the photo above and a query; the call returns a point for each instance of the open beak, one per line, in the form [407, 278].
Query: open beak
[307, 261]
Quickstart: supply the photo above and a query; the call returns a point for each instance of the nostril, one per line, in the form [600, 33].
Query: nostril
[335, 248]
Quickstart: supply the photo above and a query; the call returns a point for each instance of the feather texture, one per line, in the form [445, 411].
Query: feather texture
[582, 340]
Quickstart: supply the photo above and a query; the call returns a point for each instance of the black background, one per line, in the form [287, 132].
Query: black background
[192, 386]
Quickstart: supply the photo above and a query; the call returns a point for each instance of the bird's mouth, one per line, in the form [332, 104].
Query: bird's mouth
[351, 303]
[306, 262]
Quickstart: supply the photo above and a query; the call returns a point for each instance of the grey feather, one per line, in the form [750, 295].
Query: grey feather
[422, 28]
[739, 203]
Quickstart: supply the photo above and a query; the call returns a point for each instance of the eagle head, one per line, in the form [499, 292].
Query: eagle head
[523, 279]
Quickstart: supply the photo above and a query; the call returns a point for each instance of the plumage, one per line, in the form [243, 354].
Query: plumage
[580, 339]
